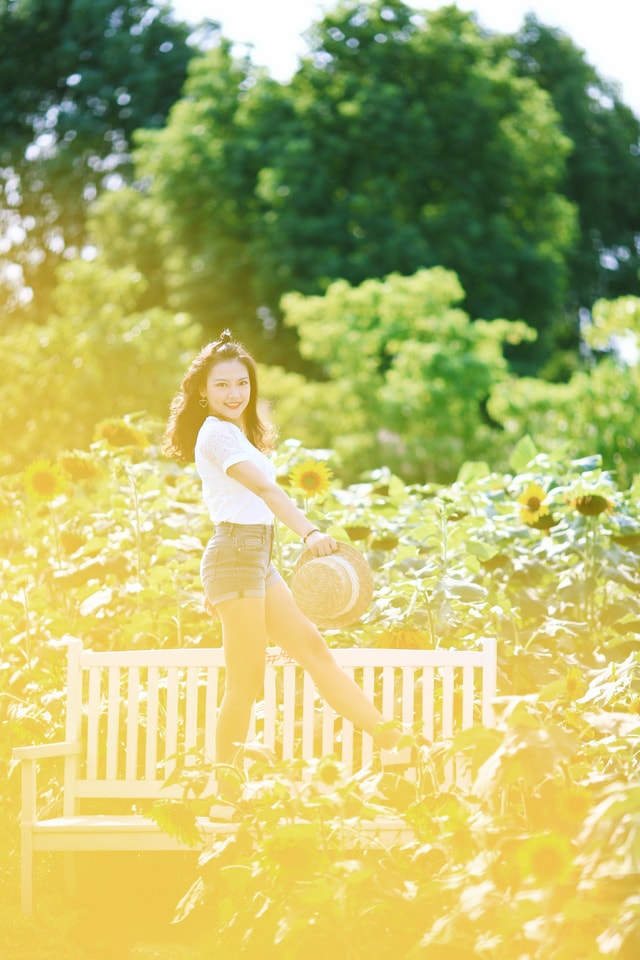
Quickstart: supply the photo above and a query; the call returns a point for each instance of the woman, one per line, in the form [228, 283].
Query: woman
[214, 419]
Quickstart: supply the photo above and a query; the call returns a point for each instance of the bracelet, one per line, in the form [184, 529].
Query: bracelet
[315, 530]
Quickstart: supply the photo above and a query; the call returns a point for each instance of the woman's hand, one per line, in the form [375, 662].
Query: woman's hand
[321, 544]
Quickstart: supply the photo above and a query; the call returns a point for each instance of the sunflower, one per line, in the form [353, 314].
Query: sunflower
[357, 531]
[71, 541]
[44, 480]
[533, 503]
[547, 858]
[119, 433]
[573, 803]
[384, 541]
[311, 477]
[575, 686]
[329, 771]
[79, 465]
[545, 522]
[592, 504]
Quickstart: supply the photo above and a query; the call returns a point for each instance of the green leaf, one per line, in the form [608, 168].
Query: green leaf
[481, 550]
[237, 877]
[464, 590]
[523, 454]
[473, 470]
[176, 819]
[194, 897]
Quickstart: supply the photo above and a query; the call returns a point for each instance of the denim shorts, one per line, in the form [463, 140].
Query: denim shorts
[237, 562]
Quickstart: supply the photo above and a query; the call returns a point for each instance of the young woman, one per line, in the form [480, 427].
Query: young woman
[214, 419]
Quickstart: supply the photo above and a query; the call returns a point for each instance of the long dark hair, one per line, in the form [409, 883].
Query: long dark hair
[186, 416]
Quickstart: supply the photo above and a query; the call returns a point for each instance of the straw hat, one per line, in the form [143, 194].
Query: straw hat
[333, 591]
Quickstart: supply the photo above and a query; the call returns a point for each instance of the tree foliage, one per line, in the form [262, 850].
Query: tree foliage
[99, 356]
[411, 381]
[603, 169]
[77, 77]
[408, 373]
[399, 144]
[597, 407]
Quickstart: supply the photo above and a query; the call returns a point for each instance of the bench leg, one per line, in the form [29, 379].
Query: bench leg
[26, 871]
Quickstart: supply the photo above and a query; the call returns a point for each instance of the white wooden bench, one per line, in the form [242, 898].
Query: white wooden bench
[130, 713]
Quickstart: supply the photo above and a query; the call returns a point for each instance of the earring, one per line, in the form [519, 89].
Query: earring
[203, 402]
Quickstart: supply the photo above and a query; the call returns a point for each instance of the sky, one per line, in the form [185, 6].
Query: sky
[607, 31]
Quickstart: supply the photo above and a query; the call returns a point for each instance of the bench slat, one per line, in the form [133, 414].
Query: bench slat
[347, 733]
[427, 700]
[270, 709]
[153, 694]
[113, 723]
[447, 714]
[171, 729]
[124, 789]
[93, 721]
[349, 656]
[388, 691]
[328, 726]
[468, 691]
[368, 686]
[133, 721]
[288, 713]
[308, 717]
[408, 694]
[211, 711]
[191, 717]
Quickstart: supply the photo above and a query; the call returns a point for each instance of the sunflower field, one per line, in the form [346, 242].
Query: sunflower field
[537, 858]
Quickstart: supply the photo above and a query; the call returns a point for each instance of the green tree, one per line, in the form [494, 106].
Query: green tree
[77, 77]
[595, 411]
[204, 168]
[99, 356]
[399, 144]
[408, 374]
[603, 169]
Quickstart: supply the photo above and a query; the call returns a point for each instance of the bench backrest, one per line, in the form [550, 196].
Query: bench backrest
[135, 711]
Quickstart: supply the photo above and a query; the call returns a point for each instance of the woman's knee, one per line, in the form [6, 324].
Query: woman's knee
[247, 686]
[314, 653]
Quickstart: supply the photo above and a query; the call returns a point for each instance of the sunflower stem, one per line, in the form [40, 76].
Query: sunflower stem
[27, 628]
[176, 587]
[591, 544]
[136, 523]
[56, 536]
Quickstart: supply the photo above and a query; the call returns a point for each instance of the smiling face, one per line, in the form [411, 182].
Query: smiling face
[228, 390]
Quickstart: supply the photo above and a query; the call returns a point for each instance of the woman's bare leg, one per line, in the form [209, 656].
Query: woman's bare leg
[288, 627]
[244, 642]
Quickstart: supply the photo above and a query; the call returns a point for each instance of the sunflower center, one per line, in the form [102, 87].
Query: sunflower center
[547, 863]
[310, 481]
[45, 483]
[533, 503]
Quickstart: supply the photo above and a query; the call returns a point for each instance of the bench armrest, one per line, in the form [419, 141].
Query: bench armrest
[40, 751]
[29, 757]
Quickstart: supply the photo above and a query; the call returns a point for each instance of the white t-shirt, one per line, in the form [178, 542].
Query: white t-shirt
[219, 445]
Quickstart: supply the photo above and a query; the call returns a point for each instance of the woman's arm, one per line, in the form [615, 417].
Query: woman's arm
[251, 477]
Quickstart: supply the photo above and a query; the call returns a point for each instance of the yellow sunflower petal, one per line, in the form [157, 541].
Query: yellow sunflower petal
[311, 477]
[44, 480]
[533, 505]
[546, 858]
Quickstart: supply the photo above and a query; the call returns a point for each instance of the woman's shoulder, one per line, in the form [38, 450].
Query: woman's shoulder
[219, 438]
[215, 427]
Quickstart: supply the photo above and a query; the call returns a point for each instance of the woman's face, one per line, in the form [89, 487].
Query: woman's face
[228, 390]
